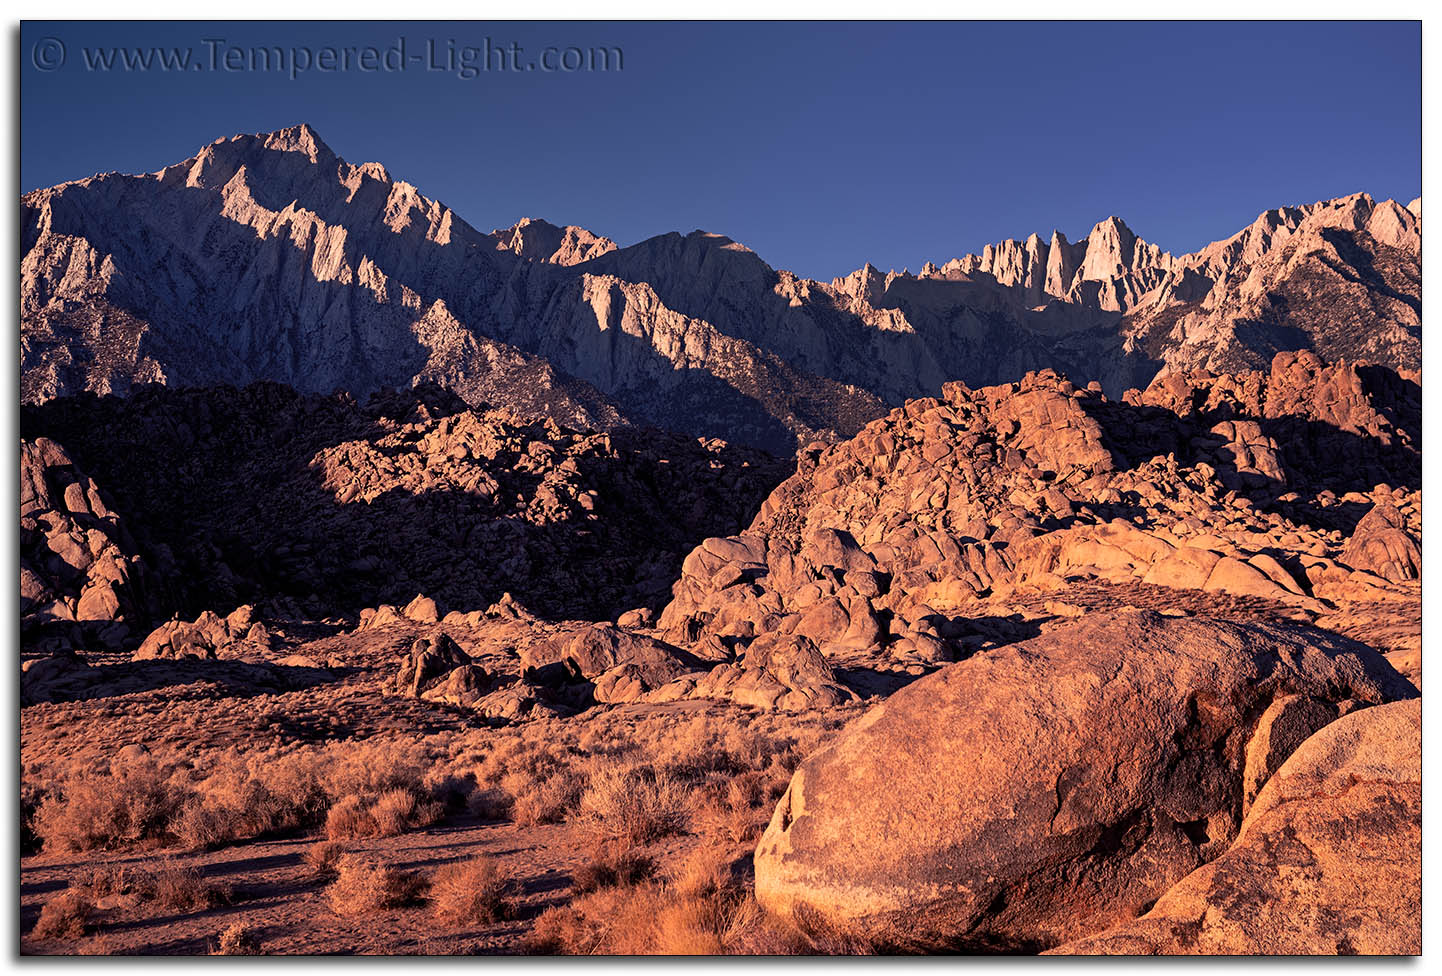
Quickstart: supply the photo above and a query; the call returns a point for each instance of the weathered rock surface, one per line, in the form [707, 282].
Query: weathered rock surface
[777, 671]
[1328, 861]
[928, 519]
[236, 635]
[281, 261]
[429, 661]
[1041, 791]
[81, 575]
[1382, 545]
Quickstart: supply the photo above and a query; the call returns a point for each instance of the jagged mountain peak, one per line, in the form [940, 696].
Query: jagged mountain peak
[535, 239]
[269, 257]
[301, 138]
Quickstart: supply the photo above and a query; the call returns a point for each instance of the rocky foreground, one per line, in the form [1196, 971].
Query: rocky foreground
[1033, 668]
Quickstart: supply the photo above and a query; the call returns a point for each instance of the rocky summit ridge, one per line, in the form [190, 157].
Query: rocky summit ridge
[269, 257]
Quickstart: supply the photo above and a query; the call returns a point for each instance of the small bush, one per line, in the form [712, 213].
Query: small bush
[106, 880]
[633, 806]
[470, 892]
[64, 916]
[613, 921]
[613, 866]
[350, 819]
[237, 940]
[363, 885]
[97, 945]
[391, 814]
[202, 827]
[140, 802]
[323, 856]
[544, 793]
[184, 890]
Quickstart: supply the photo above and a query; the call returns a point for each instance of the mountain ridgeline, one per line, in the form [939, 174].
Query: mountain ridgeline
[268, 257]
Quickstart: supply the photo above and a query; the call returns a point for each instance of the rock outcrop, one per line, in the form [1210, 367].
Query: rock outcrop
[1328, 861]
[1232, 485]
[1382, 545]
[236, 635]
[1041, 791]
[82, 578]
[262, 491]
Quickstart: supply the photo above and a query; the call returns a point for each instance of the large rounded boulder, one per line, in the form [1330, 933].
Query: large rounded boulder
[1329, 860]
[1051, 788]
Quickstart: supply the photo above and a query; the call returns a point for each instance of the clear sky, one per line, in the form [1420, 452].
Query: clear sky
[821, 147]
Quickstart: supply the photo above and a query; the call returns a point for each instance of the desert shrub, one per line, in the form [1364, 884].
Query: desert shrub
[323, 856]
[105, 880]
[168, 886]
[237, 940]
[543, 800]
[350, 819]
[64, 916]
[614, 921]
[755, 932]
[372, 768]
[634, 805]
[236, 798]
[691, 912]
[396, 811]
[30, 798]
[613, 865]
[702, 907]
[470, 892]
[389, 815]
[97, 945]
[134, 802]
[182, 889]
[201, 826]
[364, 885]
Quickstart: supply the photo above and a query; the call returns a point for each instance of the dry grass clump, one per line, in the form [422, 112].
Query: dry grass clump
[97, 945]
[732, 810]
[237, 940]
[390, 814]
[102, 881]
[613, 865]
[529, 782]
[324, 855]
[633, 805]
[364, 885]
[64, 917]
[168, 886]
[470, 892]
[545, 800]
[690, 913]
[755, 932]
[183, 889]
[704, 907]
[612, 921]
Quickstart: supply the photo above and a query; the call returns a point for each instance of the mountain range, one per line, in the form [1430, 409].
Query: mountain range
[269, 257]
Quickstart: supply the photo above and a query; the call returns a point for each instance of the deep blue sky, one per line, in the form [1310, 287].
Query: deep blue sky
[819, 146]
